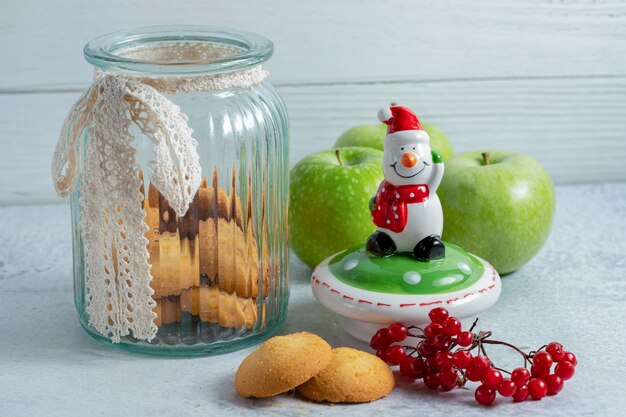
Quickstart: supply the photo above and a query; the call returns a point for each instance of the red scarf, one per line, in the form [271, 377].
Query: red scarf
[390, 209]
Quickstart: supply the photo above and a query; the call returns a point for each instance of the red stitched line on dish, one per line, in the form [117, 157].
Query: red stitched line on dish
[453, 300]
[428, 304]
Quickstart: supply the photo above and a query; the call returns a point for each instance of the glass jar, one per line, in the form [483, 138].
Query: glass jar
[218, 271]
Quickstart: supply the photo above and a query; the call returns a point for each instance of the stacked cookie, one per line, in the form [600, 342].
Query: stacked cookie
[307, 363]
[207, 262]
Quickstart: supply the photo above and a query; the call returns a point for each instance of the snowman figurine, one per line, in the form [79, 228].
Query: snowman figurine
[406, 209]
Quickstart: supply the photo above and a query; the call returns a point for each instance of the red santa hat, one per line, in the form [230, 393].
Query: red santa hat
[403, 124]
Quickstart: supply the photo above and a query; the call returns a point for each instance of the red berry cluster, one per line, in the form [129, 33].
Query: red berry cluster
[435, 360]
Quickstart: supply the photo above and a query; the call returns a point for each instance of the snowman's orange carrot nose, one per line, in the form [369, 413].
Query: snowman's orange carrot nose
[409, 160]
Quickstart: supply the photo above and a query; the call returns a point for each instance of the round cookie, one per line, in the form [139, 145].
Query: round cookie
[282, 363]
[353, 376]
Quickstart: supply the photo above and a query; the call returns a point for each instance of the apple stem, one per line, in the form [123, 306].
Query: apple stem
[485, 158]
[338, 153]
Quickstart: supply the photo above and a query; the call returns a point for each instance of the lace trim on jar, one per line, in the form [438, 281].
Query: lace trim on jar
[118, 293]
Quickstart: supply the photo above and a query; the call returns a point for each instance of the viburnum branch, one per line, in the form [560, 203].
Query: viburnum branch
[474, 324]
[527, 357]
[482, 349]
[417, 336]
[443, 358]
[501, 370]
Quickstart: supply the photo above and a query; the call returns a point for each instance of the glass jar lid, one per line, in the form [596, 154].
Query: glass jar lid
[178, 50]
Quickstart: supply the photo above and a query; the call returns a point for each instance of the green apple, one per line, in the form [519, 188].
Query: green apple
[498, 206]
[329, 193]
[372, 136]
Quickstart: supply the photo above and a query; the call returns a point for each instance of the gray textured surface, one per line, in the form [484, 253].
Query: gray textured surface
[573, 292]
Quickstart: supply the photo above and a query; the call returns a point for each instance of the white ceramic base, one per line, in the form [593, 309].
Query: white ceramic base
[363, 312]
[362, 330]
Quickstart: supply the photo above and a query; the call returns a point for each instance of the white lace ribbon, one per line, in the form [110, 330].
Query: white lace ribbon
[118, 294]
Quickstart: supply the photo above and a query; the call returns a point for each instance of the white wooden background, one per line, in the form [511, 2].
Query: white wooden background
[543, 77]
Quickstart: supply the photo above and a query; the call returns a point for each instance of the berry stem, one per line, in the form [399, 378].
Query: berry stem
[501, 370]
[417, 336]
[481, 337]
[473, 325]
[498, 342]
[482, 349]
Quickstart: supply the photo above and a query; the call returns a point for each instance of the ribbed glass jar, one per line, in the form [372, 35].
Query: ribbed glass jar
[220, 273]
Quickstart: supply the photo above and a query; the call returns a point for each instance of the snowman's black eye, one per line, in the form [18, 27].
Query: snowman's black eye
[401, 149]
[413, 147]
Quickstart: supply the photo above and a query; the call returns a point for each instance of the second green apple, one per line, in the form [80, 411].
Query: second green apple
[329, 193]
[498, 205]
[372, 136]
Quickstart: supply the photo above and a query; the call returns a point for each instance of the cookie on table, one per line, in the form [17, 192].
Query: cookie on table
[282, 363]
[353, 376]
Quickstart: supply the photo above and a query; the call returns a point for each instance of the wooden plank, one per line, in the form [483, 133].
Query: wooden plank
[574, 126]
[330, 40]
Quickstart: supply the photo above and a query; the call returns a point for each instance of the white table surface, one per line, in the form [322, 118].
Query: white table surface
[574, 291]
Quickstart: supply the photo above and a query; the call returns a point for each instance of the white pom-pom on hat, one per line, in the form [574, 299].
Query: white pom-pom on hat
[402, 124]
[384, 114]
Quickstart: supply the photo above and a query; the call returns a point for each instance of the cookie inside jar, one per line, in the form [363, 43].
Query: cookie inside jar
[210, 273]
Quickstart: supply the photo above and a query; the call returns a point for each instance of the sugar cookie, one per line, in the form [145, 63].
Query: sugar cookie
[353, 376]
[282, 363]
